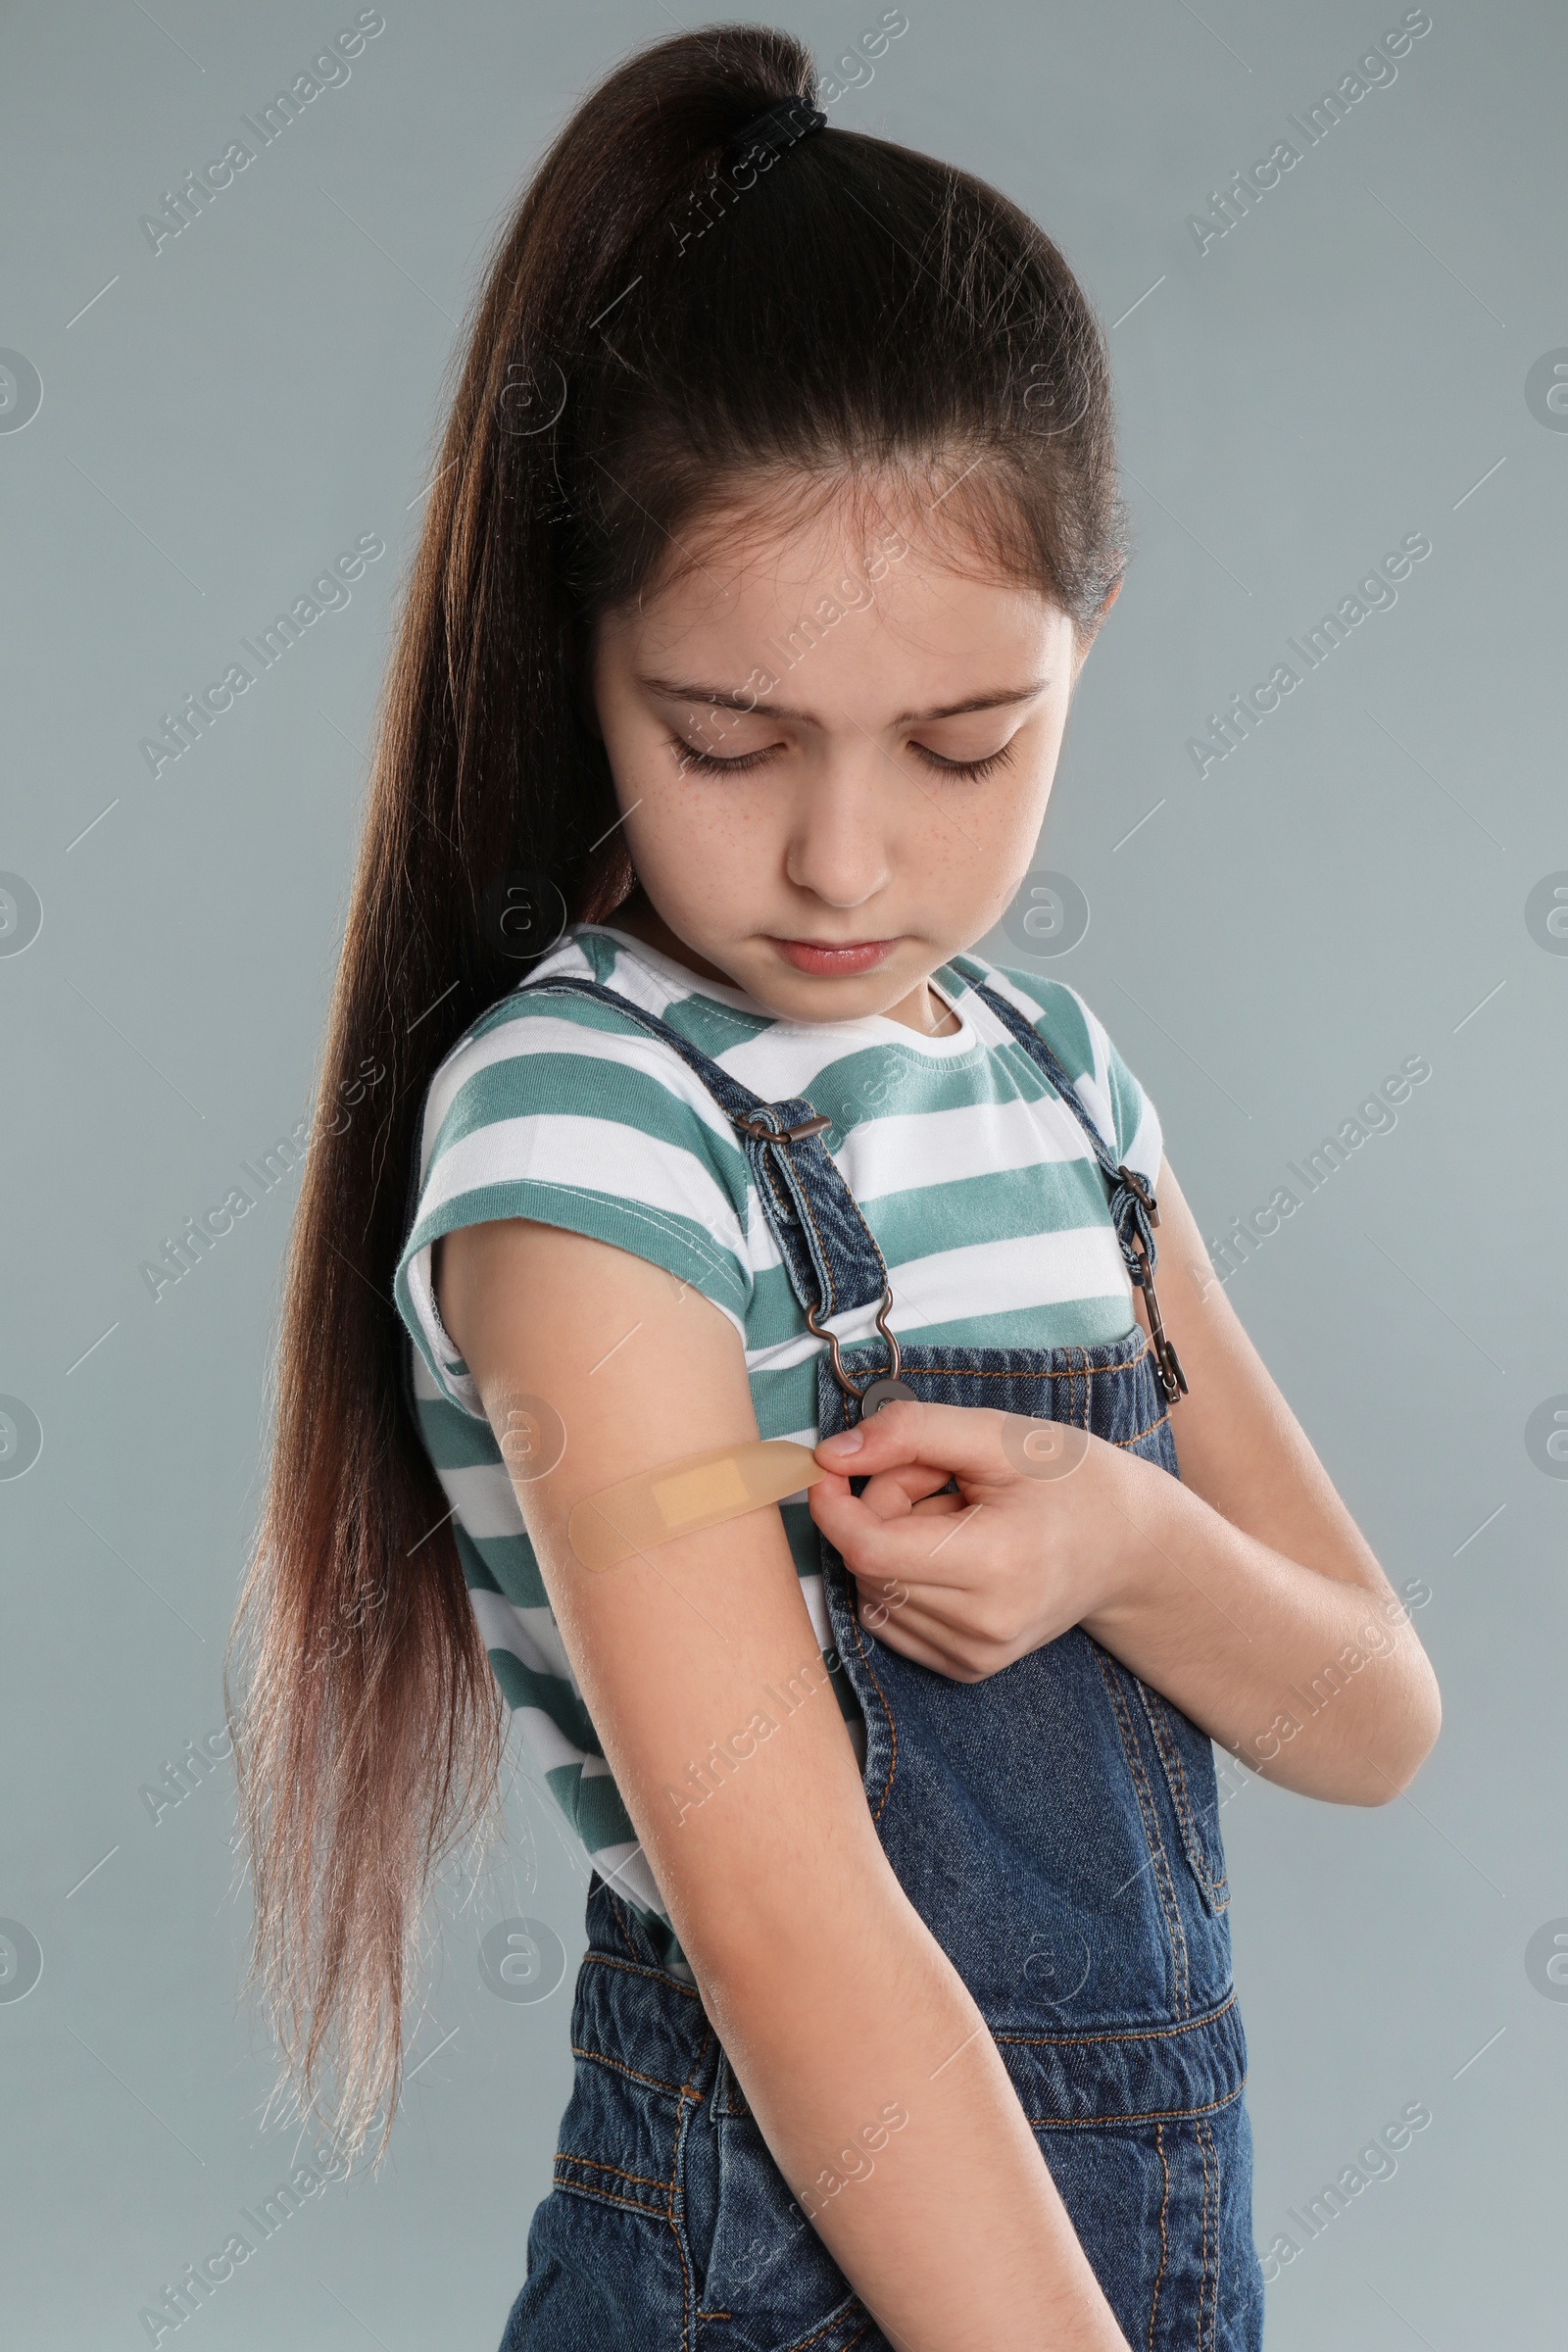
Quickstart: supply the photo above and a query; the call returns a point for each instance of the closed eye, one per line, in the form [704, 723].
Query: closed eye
[707, 763]
[965, 767]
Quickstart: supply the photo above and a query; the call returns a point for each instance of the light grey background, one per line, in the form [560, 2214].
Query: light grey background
[1345, 366]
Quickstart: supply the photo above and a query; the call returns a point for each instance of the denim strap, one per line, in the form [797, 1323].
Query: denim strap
[1128, 1210]
[829, 1251]
[1134, 1213]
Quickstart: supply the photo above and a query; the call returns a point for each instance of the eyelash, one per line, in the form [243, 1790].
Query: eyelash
[706, 764]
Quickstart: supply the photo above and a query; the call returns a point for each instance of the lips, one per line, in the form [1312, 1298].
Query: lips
[830, 956]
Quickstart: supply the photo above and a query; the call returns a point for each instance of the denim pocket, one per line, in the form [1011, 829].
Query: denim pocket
[764, 2272]
[619, 2140]
[1164, 2212]
[1187, 1758]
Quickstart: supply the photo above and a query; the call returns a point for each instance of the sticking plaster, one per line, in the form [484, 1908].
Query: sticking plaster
[701, 1490]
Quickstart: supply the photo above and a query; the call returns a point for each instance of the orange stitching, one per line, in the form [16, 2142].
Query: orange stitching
[1204, 2141]
[607, 2196]
[1172, 1755]
[733, 2092]
[892, 1729]
[655, 2081]
[802, 2343]
[786, 1208]
[1148, 2115]
[1150, 1823]
[669, 2184]
[686, 2300]
[1146, 1431]
[689, 2305]
[1188, 2025]
[1152, 1838]
[646, 2180]
[827, 1268]
[640, 1968]
[1160, 2142]
[1067, 1372]
[1070, 1372]
[882, 1264]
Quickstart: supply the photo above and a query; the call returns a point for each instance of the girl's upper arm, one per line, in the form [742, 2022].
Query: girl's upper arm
[699, 1653]
[1239, 1445]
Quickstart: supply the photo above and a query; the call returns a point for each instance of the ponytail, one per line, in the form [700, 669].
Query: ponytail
[657, 333]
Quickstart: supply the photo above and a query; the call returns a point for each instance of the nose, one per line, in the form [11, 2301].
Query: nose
[839, 848]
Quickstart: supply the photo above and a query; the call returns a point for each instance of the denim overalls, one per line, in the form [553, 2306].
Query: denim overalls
[1056, 1827]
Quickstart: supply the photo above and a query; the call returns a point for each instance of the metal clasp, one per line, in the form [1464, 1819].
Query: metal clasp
[1136, 1184]
[816, 1125]
[836, 1359]
[1172, 1379]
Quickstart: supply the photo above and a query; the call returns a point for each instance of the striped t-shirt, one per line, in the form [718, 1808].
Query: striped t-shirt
[978, 1183]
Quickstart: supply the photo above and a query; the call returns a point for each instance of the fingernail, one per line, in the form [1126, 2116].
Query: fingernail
[847, 1440]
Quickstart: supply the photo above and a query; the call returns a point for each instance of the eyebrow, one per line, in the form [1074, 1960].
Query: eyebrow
[677, 690]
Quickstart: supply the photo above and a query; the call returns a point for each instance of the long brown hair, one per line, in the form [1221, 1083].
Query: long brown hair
[660, 329]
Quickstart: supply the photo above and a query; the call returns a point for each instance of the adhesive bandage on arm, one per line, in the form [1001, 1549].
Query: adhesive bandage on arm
[680, 1498]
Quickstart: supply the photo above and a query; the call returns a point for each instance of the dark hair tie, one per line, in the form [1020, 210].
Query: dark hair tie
[772, 132]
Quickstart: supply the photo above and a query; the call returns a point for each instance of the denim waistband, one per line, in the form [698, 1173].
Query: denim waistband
[632, 2015]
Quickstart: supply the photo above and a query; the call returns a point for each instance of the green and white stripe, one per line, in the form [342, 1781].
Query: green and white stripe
[978, 1183]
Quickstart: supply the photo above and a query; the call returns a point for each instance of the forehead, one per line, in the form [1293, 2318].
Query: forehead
[855, 575]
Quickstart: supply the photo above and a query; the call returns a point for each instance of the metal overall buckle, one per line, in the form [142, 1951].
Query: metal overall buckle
[817, 1124]
[1172, 1379]
[873, 1393]
[887, 1387]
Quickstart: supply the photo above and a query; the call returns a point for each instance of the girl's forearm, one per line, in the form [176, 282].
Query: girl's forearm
[1317, 1681]
[887, 2107]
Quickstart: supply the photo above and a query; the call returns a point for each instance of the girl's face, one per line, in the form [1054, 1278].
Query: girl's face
[833, 755]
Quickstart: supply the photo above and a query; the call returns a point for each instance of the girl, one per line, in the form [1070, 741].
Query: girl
[776, 515]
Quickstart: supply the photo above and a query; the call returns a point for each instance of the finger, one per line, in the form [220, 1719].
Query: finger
[908, 1543]
[912, 1547]
[894, 1493]
[891, 1494]
[909, 1645]
[964, 1439]
[913, 1638]
[944, 1620]
[894, 1609]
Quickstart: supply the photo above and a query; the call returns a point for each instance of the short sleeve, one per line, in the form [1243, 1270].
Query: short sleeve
[567, 1111]
[1118, 1105]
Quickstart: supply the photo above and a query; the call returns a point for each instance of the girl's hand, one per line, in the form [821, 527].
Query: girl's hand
[1037, 1539]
